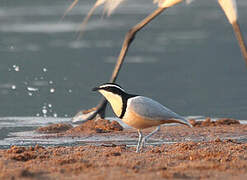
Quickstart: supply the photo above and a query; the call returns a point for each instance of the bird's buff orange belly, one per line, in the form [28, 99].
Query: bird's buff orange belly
[136, 121]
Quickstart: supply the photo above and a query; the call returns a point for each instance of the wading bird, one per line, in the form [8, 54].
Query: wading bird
[138, 111]
[228, 6]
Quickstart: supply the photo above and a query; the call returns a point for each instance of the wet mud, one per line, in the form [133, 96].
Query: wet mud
[209, 122]
[93, 126]
[54, 128]
[218, 159]
[96, 126]
[210, 150]
[107, 126]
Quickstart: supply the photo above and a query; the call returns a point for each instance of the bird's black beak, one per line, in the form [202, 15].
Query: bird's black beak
[95, 89]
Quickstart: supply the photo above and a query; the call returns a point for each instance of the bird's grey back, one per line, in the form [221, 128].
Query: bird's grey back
[151, 109]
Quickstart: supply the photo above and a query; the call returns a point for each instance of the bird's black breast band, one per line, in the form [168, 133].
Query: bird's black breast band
[125, 98]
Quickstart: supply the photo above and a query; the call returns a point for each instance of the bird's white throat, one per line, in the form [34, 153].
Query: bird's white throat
[115, 100]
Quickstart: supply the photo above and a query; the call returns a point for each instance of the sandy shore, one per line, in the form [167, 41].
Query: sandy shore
[203, 152]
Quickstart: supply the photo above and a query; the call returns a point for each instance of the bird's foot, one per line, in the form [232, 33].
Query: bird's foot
[145, 139]
[143, 143]
[137, 150]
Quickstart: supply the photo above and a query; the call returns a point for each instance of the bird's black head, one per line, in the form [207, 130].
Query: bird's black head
[116, 96]
[111, 87]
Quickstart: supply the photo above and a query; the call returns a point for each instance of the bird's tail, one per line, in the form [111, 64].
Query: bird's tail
[183, 121]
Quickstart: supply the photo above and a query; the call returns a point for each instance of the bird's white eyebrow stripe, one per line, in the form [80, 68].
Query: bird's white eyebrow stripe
[112, 85]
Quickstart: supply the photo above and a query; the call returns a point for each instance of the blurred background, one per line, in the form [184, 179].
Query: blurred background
[188, 58]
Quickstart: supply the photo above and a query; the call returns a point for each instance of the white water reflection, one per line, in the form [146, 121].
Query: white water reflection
[134, 59]
[189, 52]
[30, 121]
[30, 138]
[45, 27]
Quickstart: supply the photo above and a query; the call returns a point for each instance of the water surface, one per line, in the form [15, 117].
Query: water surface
[188, 59]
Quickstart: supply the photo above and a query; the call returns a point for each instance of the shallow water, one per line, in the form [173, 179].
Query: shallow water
[187, 59]
[21, 131]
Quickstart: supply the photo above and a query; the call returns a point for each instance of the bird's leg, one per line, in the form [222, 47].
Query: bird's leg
[240, 39]
[138, 147]
[100, 109]
[230, 9]
[148, 136]
[129, 37]
[83, 116]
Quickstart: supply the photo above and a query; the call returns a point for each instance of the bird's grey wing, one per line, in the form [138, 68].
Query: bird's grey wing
[153, 110]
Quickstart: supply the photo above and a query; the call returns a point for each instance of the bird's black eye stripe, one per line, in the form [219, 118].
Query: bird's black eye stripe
[113, 90]
[125, 96]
